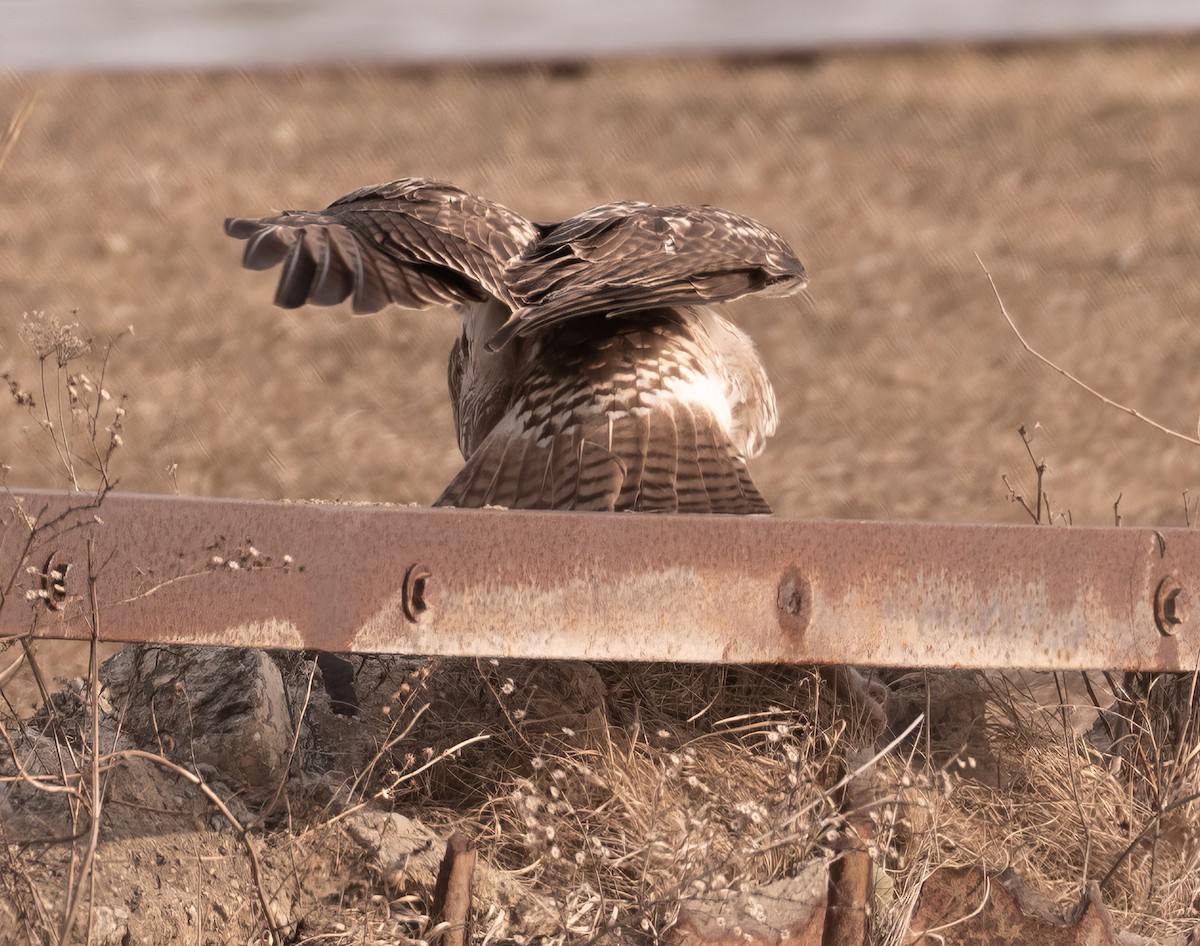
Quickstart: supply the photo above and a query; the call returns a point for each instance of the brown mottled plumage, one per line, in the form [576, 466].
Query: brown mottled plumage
[589, 373]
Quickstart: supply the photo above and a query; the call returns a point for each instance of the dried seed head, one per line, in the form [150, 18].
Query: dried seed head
[47, 337]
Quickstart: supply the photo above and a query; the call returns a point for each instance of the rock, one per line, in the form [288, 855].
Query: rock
[217, 705]
[790, 910]
[26, 811]
[110, 926]
[409, 853]
[965, 907]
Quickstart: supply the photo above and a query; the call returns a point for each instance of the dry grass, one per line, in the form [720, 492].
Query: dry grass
[1059, 811]
[690, 780]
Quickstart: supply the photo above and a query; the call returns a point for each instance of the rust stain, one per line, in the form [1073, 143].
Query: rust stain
[600, 586]
[794, 603]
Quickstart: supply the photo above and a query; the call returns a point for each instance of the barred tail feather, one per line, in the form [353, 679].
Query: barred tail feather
[674, 459]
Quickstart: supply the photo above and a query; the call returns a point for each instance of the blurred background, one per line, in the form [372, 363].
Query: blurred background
[888, 142]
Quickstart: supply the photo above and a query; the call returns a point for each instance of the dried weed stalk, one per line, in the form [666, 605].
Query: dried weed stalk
[1149, 740]
[1098, 395]
[84, 427]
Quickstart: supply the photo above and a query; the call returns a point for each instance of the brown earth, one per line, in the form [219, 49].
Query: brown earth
[1069, 169]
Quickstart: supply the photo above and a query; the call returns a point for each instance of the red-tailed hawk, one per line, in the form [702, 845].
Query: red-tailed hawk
[590, 372]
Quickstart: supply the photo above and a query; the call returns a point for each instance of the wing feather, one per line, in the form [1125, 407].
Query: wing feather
[656, 492]
[413, 242]
[631, 256]
[340, 267]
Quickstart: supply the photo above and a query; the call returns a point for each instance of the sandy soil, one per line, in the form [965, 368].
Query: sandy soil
[1070, 170]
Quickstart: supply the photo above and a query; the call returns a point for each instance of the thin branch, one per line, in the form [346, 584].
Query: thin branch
[40, 782]
[1151, 825]
[87, 874]
[1039, 467]
[401, 779]
[1015, 497]
[1133, 412]
[63, 458]
[13, 132]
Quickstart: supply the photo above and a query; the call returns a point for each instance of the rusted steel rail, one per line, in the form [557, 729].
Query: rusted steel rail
[584, 585]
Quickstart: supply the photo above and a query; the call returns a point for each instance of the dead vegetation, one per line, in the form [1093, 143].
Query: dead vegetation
[694, 782]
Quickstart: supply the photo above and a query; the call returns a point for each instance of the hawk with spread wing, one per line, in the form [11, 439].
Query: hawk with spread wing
[591, 371]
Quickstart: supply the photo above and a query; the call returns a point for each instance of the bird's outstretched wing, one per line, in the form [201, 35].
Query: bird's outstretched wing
[413, 242]
[630, 256]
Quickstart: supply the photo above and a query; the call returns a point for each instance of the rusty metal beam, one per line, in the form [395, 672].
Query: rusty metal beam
[617, 586]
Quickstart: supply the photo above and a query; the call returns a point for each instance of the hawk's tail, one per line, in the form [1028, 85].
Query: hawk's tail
[675, 459]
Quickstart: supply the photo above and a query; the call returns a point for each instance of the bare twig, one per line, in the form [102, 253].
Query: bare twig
[1150, 826]
[13, 132]
[1039, 467]
[1015, 497]
[1132, 412]
[87, 868]
[406, 776]
[15, 667]
[60, 786]
[63, 451]
[243, 834]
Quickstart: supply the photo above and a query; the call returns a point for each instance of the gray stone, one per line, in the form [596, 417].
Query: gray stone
[110, 926]
[408, 854]
[790, 910]
[225, 707]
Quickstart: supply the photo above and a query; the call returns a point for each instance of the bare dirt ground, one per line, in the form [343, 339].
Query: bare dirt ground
[1069, 169]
